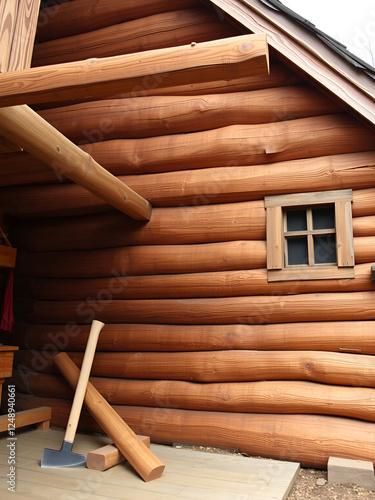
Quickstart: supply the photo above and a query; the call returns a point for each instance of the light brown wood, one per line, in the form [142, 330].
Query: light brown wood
[40, 416]
[307, 439]
[228, 310]
[340, 336]
[161, 115]
[8, 256]
[18, 20]
[276, 397]
[206, 284]
[23, 35]
[206, 186]
[182, 225]
[238, 56]
[108, 456]
[165, 29]
[6, 360]
[154, 259]
[79, 17]
[81, 386]
[36, 136]
[147, 465]
[231, 366]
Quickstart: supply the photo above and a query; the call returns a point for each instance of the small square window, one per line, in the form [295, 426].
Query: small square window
[310, 236]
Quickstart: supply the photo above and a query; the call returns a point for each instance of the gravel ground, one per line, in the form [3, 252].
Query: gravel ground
[306, 488]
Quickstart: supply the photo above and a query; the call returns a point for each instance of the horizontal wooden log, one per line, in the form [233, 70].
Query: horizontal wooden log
[38, 137]
[170, 225]
[160, 259]
[182, 225]
[307, 439]
[342, 336]
[249, 397]
[151, 259]
[221, 366]
[238, 56]
[173, 286]
[73, 18]
[350, 306]
[208, 186]
[164, 115]
[166, 29]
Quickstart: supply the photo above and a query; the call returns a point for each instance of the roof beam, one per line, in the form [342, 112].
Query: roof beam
[227, 59]
[26, 128]
[302, 48]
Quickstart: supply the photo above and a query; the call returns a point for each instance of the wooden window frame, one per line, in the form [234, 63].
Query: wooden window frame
[276, 206]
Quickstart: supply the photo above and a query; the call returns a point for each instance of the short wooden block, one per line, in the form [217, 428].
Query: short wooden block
[108, 456]
[40, 416]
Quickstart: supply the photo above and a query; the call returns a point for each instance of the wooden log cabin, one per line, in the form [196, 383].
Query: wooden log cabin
[212, 201]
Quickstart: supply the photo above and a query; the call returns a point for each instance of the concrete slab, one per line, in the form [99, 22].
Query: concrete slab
[345, 471]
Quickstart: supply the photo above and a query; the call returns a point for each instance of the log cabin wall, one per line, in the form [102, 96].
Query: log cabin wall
[198, 347]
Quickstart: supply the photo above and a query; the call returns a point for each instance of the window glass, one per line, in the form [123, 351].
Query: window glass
[297, 251]
[296, 220]
[325, 249]
[323, 218]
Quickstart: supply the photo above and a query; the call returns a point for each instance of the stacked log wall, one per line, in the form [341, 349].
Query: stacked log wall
[194, 332]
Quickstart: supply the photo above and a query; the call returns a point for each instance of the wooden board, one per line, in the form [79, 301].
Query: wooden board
[189, 475]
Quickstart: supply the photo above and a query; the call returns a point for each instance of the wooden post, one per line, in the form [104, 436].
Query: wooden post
[25, 127]
[147, 465]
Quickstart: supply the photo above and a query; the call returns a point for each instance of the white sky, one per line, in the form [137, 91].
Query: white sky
[351, 22]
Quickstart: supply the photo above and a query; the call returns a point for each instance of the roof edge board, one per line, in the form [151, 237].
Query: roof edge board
[313, 43]
[353, 90]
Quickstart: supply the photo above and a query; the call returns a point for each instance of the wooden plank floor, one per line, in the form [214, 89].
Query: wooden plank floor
[189, 474]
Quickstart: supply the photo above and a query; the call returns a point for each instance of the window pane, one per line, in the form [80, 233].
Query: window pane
[324, 218]
[325, 249]
[296, 220]
[297, 251]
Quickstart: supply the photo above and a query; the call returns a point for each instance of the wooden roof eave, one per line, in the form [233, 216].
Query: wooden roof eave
[353, 87]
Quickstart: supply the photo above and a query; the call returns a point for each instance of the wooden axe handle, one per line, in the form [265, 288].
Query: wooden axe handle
[147, 465]
[79, 395]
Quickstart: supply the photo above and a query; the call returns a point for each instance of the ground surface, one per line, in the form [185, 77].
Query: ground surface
[307, 486]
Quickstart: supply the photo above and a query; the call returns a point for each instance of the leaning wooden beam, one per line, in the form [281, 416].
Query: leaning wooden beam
[107, 456]
[25, 127]
[94, 78]
[147, 465]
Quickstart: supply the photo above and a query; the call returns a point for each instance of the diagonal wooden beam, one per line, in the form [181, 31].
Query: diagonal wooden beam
[26, 128]
[226, 59]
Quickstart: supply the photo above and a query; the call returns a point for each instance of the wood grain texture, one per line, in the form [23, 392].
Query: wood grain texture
[169, 225]
[226, 366]
[351, 306]
[237, 56]
[307, 439]
[164, 115]
[302, 48]
[148, 466]
[340, 336]
[166, 29]
[246, 397]
[39, 138]
[18, 21]
[82, 16]
[208, 186]
[193, 285]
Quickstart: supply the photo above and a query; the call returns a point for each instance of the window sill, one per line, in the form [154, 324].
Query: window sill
[314, 273]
